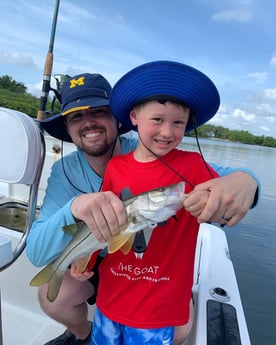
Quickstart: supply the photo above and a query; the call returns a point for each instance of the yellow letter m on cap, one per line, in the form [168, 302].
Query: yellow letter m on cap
[75, 82]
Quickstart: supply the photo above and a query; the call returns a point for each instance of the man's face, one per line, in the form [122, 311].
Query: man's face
[94, 130]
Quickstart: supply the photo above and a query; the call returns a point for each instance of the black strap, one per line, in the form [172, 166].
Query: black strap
[139, 244]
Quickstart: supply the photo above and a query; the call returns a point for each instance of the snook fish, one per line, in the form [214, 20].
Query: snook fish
[143, 210]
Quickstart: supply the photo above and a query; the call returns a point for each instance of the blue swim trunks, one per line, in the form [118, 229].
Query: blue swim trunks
[108, 332]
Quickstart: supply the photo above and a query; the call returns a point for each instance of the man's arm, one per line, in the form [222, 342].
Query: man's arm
[225, 171]
[103, 212]
[46, 239]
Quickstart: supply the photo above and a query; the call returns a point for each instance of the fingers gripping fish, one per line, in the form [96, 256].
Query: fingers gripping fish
[143, 210]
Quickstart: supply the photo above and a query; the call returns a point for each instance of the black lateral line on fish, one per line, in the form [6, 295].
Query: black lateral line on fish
[75, 246]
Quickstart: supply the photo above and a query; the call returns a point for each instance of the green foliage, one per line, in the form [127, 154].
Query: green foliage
[13, 95]
[245, 137]
[26, 103]
[6, 82]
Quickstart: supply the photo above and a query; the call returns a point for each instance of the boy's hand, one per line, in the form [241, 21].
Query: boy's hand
[196, 201]
[75, 272]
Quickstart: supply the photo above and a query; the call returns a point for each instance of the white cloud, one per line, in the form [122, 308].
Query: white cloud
[273, 60]
[270, 94]
[265, 129]
[271, 119]
[259, 77]
[16, 58]
[234, 15]
[34, 89]
[265, 108]
[238, 113]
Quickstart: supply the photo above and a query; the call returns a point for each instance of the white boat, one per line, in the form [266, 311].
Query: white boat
[219, 316]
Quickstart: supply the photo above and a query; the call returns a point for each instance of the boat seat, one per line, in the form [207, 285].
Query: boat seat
[22, 154]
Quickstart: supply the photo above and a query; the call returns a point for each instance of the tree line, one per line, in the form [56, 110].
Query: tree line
[14, 95]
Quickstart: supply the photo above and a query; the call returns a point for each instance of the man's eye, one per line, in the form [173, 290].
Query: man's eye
[101, 113]
[74, 117]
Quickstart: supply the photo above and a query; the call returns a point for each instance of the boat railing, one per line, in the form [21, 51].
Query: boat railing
[22, 154]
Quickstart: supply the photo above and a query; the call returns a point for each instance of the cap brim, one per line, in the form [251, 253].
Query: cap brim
[165, 78]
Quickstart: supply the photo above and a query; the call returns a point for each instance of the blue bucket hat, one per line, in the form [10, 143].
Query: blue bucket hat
[80, 92]
[165, 80]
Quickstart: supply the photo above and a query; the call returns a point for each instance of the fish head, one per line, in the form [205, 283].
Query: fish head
[165, 195]
[157, 205]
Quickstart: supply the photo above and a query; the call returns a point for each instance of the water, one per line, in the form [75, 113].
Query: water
[252, 242]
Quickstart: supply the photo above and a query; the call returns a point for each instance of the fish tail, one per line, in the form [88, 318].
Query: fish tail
[43, 276]
[53, 286]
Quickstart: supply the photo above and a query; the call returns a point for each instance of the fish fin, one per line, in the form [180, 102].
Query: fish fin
[72, 228]
[125, 194]
[82, 263]
[54, 286]
[93, 259]
[42, 276]
[54, 280]
[128, 245]
[116, 242]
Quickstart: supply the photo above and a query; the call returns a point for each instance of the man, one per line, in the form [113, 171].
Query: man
[73, 193]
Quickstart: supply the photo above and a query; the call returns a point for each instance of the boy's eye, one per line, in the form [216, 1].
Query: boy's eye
[157, 119]
[180, 123]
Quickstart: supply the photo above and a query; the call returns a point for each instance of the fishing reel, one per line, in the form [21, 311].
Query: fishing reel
[60, 79]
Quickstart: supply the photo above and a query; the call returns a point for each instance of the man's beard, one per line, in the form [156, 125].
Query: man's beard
[97, 150]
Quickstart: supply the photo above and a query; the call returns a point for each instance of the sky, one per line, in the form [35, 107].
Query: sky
[232, 42]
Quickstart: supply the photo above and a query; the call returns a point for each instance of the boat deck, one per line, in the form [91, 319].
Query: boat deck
[23, 322]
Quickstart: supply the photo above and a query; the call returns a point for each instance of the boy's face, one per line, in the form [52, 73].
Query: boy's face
[161, 127]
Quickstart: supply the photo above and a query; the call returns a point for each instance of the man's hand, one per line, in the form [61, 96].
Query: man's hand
[230, 198]
[103, 212]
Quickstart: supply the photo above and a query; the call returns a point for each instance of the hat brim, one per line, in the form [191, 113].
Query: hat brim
[165, 78]
[84, 103]
[55, 125]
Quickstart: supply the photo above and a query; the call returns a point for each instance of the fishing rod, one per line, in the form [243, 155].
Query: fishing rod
[48, 68]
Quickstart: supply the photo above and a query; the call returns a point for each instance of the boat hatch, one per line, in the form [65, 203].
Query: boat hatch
[222, 324]
[13, 215]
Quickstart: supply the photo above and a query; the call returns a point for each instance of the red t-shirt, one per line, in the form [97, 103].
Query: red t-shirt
[153, 290]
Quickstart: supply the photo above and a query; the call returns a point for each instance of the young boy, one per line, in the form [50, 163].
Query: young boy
[144, 298]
